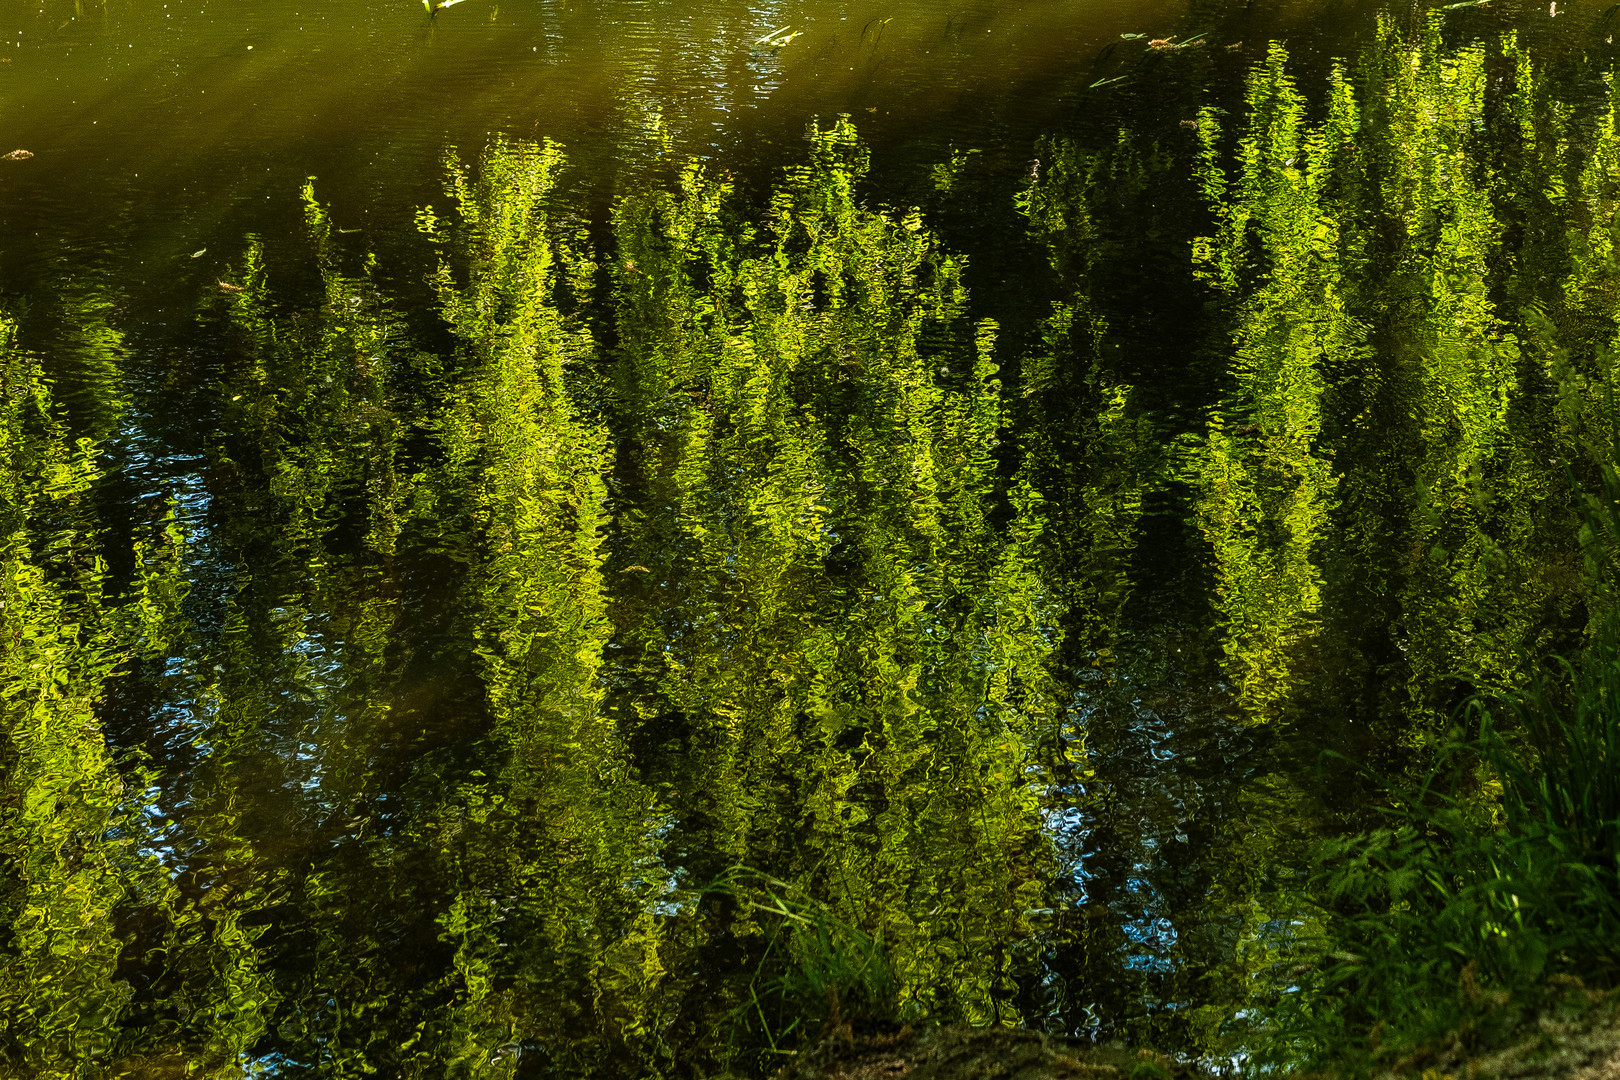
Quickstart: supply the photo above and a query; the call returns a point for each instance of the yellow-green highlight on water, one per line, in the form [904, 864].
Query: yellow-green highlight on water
[623, 607]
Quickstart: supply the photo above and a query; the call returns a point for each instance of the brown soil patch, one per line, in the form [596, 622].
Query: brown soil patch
[962, 1053]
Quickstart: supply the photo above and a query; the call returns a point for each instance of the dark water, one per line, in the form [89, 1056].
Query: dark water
[558, 609]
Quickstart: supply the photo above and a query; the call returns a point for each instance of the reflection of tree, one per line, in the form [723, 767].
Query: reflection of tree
[1454, 342]
[1086, 433]
[1444, 222]
[1265, 487]
[552, 883]
[712, 555]
[1380, 481]
[290, 694]
[1454, 503]
[472, 885]
[1358, 253]
[73, 832]
[847, 678]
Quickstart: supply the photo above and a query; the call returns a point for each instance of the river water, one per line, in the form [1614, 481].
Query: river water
[535, 548]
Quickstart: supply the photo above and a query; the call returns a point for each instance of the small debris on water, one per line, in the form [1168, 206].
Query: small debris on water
[19, 155]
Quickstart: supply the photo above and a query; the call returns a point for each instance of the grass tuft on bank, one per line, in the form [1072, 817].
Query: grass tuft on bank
[1488, 902]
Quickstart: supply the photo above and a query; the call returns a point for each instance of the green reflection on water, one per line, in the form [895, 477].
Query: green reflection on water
[78, 846]
[848, 681]
[513, 671]
[1265, 490]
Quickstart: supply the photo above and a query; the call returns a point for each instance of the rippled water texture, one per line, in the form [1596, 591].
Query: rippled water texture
[602, 540]
[178, 111]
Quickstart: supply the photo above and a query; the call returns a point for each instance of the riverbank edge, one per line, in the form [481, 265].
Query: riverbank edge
[1582, 1042]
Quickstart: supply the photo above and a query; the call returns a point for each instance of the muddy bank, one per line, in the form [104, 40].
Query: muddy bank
[1579, 1044]
[959, 1053]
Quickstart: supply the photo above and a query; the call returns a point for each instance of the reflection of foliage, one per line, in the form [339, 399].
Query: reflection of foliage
[1418, 292]
[544, 840]
[62, 793]
[738, 540]
[296, 381]
[863, 683]
[1086, 436]
[1451, 545]
[1358, 255]
[1265, 486]
[1453, 341]
[74, 834]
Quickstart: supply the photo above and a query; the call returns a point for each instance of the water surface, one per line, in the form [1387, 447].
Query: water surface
[555, 609]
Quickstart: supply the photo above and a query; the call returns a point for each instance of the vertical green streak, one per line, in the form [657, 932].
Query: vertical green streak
[859, 667]
[293, 695]
[58, 988]
[70, 831]
[1464, 357]
[546, 843]
[309, 427]
[1086, 440]
[1582, 349]
[1265, 485]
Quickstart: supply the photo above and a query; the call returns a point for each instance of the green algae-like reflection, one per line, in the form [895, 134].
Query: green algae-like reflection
[412, 832]
[544, 660]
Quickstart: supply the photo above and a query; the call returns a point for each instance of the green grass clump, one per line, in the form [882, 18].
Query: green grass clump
[817, 974]
[1493, 890]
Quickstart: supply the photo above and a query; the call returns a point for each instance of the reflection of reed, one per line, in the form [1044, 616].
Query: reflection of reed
[775, 39]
